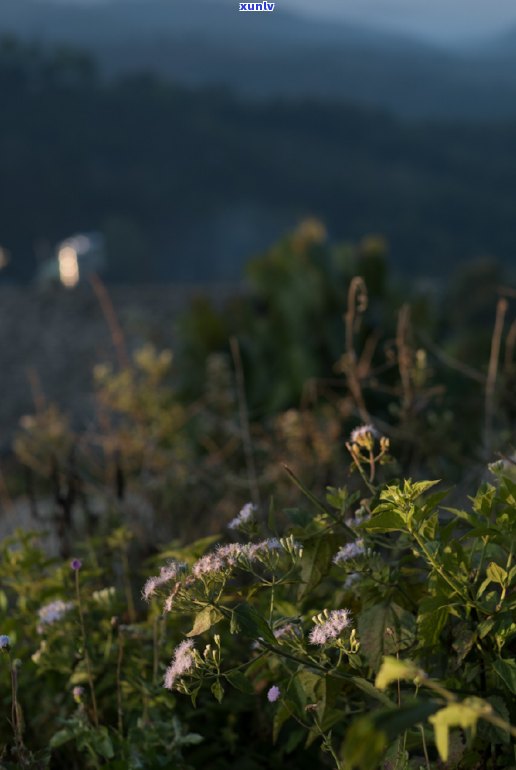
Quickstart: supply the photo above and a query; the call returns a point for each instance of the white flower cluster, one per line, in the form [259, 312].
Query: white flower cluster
[51, 613]
[363, 434]
[226, 557]
[329, 625]
[169, 572]
[182, 662]
[349, 551]
[245, 516]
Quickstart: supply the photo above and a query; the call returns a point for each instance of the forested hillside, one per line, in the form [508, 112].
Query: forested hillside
[201, 180]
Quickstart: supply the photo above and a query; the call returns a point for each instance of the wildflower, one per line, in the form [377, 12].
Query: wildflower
[5, 642]
[77, 693]
[364, 436]
[264, 548]
[104, 595]
[329, 625]
[273, 694]
[287, 629]
[168, 572]
[349, 551]
[244, 517]
[51, 613]
[76, 564]
[209, 564]
[182, 662]
[232, 553]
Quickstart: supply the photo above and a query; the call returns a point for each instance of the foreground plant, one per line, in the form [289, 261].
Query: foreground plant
[380, 627]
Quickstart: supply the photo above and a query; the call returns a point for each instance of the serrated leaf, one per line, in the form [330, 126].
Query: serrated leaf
[385, 521]
[384, 629]
[246, 619]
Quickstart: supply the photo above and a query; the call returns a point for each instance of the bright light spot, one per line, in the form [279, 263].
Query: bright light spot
[68, 267]
[4, 258]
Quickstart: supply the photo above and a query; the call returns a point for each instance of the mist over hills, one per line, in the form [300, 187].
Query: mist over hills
[189, 183]
[273, 54]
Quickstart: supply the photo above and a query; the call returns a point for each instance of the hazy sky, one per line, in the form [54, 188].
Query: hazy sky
[441, 20]
[434, 19]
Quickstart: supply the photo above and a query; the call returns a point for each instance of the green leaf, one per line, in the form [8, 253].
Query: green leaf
[204, 620]
[369, 736]
[384, 629]
[239, 681]
[102, 743]
[217, 690]
[246, 619]
[496, 573]
[281, 715]
[465, 715]
[385, 521]
[393, 669]
[318, 553]
[370, 690]
[506, 670]
[60, 738]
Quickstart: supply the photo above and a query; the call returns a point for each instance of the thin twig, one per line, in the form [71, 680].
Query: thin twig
[492, 373]
[510, 345]
[111, 318]
[244, 421]
[357, 304]
[450, 362]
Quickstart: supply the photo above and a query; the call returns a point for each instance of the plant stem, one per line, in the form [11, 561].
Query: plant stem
[86, 654]
[119, 684]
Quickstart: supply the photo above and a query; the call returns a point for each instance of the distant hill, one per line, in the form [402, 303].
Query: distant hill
[201, 42]
[186, 184]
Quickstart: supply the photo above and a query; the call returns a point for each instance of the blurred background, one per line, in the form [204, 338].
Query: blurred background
[178, 174]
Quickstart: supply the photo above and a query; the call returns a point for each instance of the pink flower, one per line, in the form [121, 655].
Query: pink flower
[182, 662]
[273, 694]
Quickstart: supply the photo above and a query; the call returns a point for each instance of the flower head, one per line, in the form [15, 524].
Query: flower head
[349, 551]
[78, 692]
[364, 436]
[5, 642]
[182, 662]
[244, 517]
[76, 564]
[209, 564]
[329, 625]
[273, 694]
[168, 572]
[51, 613]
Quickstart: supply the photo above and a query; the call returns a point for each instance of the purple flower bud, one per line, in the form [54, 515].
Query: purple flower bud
[76, 564]
[273, 694]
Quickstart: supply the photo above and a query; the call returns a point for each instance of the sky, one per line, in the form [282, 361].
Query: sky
[441, 20]
[434, 20]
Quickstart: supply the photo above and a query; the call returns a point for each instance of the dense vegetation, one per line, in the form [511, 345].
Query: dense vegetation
[354, 614]
[198, 178]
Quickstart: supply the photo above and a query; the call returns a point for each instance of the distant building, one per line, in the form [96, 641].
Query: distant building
[74, 259]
